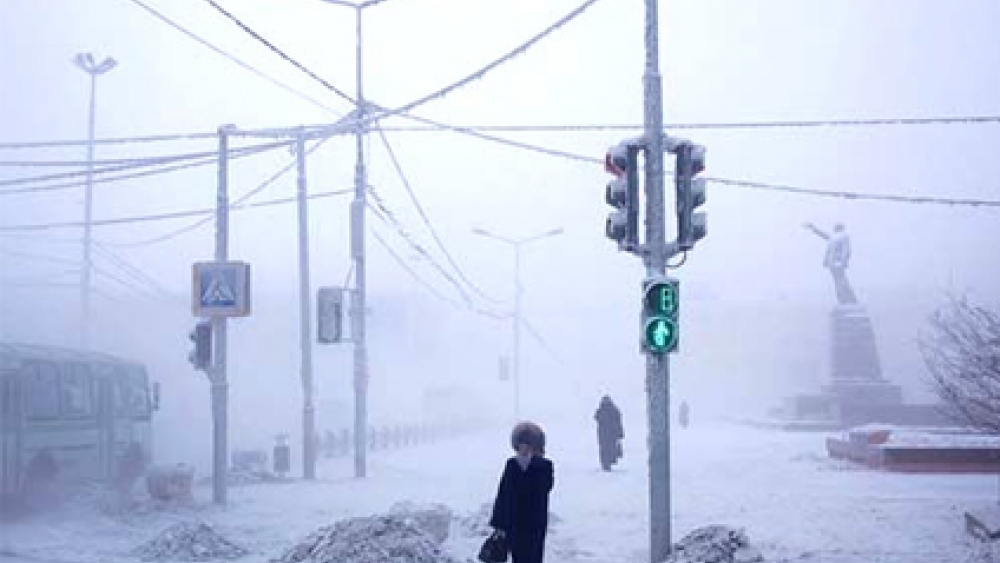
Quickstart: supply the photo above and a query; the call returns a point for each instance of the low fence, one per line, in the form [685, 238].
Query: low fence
[395, 436]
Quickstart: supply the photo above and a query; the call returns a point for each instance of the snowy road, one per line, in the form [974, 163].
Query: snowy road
[795, 504]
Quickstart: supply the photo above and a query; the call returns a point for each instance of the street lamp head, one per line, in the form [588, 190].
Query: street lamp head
[555, 232]
[106, 65]
[85, 61]
[481, 232]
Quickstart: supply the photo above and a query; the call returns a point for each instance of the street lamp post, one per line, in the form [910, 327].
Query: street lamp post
[516, 319]
[86, 62]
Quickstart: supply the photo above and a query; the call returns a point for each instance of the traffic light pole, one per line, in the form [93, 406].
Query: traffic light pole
[655, 257]
[220, 384]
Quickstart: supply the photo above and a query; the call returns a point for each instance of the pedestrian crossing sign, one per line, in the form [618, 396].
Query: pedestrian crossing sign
[221, 289]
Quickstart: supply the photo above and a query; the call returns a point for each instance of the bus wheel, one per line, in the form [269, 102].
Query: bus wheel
[41, 481]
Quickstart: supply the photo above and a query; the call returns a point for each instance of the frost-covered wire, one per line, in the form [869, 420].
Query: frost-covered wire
[427, 221]
[246, 66]
[240, 200]
[158, 165]
[162, 216]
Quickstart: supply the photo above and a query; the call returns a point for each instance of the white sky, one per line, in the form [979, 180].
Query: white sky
[722, 60]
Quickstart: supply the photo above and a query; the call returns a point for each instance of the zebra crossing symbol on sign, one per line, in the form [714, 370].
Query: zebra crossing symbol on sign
[221, 289]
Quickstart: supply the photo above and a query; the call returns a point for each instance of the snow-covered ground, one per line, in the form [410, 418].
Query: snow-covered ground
[794, 503]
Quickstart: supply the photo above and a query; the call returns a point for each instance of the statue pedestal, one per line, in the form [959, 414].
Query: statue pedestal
[853, 351]
[858, 390]
[856, 393]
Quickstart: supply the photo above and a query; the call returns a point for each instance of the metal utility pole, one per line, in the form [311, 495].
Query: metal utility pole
[360, 275]
[305, 310]
[85, 61]
[657, 366]
[220, 384]
[517, 319]
[358, 207]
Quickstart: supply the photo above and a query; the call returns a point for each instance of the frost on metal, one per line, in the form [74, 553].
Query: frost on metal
[189, 541]
[392, 538]
[715, 544]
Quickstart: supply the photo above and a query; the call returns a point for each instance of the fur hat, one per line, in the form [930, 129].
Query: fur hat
[530, 434]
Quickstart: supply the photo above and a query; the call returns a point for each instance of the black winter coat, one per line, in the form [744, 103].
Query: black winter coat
[521, 508]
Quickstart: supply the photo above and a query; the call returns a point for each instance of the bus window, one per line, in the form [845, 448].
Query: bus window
[131, 396]
[42, 397]
[77, 392]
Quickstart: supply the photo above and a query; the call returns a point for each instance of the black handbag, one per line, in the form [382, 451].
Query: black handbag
[495, 549]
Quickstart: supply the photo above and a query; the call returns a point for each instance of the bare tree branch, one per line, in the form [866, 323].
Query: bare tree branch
[962, 353]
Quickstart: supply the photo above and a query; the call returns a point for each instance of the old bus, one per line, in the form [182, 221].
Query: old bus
[69, 417]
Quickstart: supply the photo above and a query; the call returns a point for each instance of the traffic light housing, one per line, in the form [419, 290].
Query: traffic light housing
[622, 193]
[691, 226]
[201, 356]
[660, 307]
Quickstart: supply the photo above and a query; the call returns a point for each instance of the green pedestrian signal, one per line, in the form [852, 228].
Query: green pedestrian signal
[661, 335]
[660, 305]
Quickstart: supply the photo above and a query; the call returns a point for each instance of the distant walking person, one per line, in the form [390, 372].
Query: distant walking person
[609, 432]
[685, 414]
[521, 509]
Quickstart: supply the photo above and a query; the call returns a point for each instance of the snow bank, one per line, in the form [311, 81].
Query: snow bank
[392, 538]
[189, 541]
[433, 519]
[715, 544]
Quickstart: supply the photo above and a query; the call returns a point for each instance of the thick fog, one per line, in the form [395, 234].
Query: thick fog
[755, 297]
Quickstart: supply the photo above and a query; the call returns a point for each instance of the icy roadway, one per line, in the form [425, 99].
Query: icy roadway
[794, 503]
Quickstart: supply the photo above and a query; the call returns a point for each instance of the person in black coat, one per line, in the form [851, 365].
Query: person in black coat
[609, 432]
[521, 508]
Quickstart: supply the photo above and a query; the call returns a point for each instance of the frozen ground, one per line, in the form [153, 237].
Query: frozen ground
[795, 504]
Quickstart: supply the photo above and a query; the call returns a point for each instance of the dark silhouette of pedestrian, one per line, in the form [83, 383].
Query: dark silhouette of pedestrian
[521, 508]
[609, 432]
[684, 416]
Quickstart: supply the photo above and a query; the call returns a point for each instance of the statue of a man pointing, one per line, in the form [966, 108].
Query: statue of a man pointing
[836, 259]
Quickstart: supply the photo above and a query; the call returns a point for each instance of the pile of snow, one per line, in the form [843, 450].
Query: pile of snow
[189, 542]
[715, 544]
[477, 524]
[433, 519]
[388, 538]
[983, 552]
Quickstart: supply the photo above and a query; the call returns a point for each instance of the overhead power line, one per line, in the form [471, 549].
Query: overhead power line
[233, 59]
[783, 124]
[895, 198]
[104, 175]
[478, 74]
[280, 53]
[110, 141]
[427, 221]
[391, 221]
[240, 200]
[478, 132]
[162, 216]
[409, 270]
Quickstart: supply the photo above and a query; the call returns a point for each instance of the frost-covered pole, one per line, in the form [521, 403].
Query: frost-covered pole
[305, 313]
[220, 385]
[657, 365]
[358, 253]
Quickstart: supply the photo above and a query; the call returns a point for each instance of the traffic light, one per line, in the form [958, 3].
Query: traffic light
[330, 315]
[201, 336]
[691, 226]
[660, 305]
[622, 193]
